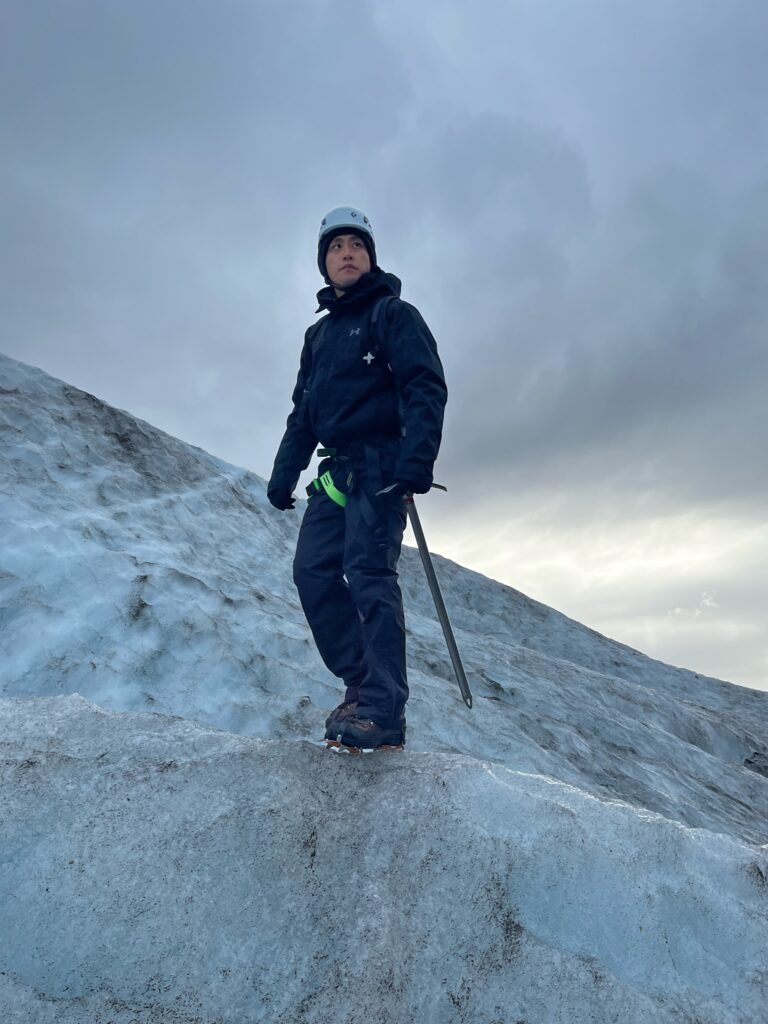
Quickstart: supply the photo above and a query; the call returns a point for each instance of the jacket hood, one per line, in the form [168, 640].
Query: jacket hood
[376, 282]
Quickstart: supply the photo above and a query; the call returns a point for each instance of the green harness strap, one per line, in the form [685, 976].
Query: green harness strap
[330, 488]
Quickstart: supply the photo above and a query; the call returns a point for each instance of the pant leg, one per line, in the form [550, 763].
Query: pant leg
[370, 565]
[324, 593]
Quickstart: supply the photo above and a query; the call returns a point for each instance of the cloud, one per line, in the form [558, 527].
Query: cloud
[161, 190]
[688, 586]
[706, 603]
[638, 359]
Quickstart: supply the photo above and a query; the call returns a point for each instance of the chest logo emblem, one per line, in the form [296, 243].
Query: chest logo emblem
[369, 358]
[354, 330]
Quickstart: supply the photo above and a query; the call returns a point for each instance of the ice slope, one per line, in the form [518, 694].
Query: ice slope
[159, 871]
[596, 792]
[145, 574]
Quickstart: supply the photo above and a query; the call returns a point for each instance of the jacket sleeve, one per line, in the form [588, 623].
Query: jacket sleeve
[413, 359]
[299, 441]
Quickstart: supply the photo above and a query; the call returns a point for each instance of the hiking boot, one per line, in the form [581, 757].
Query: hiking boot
[365, 734]
[337, 716]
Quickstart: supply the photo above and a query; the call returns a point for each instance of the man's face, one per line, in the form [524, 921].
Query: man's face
[346, 261]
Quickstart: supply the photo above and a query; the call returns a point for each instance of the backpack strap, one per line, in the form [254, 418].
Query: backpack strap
[379, 320]
[379, 329]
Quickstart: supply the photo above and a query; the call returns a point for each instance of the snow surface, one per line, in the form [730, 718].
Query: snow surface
[586, 845]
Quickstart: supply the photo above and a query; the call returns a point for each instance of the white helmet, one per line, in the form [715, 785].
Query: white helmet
[335, 222]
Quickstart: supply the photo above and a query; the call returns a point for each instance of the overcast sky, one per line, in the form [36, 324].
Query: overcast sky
[575, 195]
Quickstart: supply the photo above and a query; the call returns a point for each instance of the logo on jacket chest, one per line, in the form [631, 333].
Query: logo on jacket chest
[368, 358]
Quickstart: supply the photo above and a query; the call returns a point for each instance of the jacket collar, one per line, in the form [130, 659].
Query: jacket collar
[376, 282]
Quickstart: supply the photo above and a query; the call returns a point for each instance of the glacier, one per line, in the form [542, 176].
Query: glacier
[588, 844]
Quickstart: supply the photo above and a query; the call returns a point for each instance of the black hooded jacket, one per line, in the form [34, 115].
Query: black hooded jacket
[350, 389]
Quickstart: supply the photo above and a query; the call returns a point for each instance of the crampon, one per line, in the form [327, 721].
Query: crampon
[343, 748]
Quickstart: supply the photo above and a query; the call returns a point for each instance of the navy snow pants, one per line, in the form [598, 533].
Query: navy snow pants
[345, 570]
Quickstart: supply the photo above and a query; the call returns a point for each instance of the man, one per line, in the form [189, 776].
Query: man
[371, 390]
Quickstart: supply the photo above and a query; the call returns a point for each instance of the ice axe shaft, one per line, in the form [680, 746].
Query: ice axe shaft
[442, 614]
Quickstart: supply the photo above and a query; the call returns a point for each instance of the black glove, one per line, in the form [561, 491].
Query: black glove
[422, 486]
[281, 498]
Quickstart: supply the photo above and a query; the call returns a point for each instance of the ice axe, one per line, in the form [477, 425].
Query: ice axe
[429, 569]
